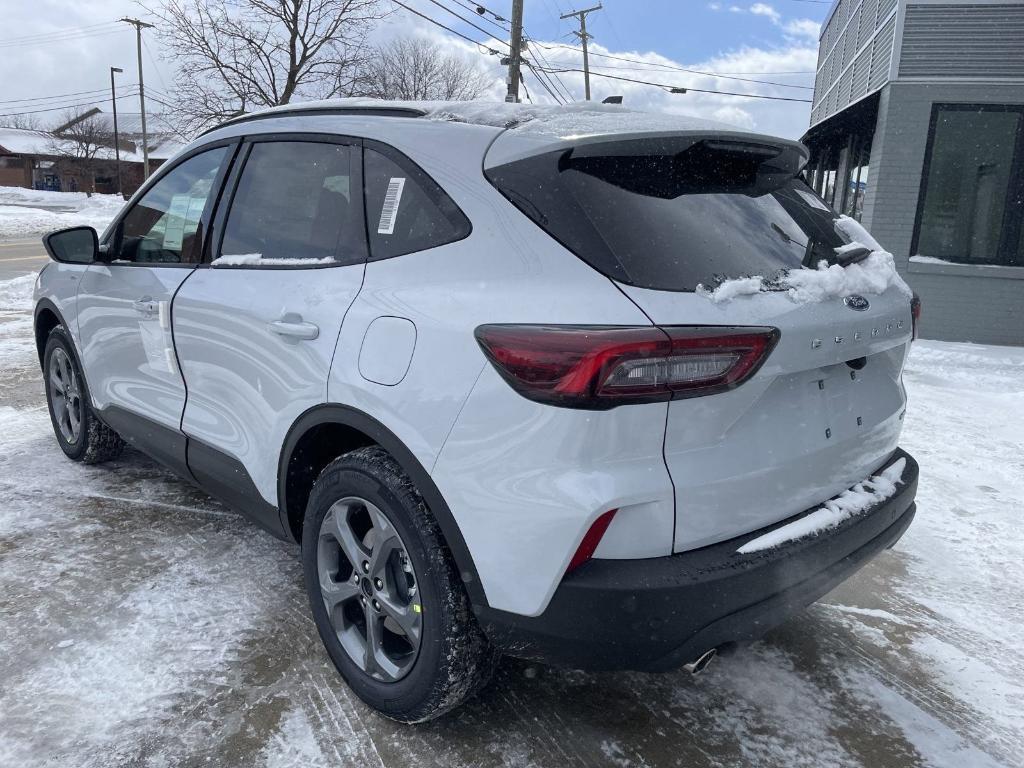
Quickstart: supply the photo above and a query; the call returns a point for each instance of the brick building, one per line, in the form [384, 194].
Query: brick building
[43, 160]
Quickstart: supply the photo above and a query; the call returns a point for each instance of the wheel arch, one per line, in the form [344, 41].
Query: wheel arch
[46, 317]
[325, 432]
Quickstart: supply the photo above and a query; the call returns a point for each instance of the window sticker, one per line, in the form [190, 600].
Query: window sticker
[390, 210]
[174, 229]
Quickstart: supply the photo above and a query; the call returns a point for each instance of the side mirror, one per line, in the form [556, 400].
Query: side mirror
[77, 245]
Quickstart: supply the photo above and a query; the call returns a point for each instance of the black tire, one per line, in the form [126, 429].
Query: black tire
[94, 442]
[454, 659]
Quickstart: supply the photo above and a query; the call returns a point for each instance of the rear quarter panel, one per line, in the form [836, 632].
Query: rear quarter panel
[523, 481]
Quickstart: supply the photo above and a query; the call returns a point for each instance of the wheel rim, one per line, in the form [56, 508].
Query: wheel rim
[369, 589]
[65, 396]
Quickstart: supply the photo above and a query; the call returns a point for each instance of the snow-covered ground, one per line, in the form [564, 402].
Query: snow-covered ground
[142, 624]
[28, 212]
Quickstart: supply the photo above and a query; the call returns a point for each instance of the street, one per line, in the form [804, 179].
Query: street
[141, 623]
[20, 257]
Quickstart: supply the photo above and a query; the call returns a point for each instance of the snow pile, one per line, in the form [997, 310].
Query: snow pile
[257, 259]
[854, 501]
[16, 294]
[874, 275]
[27, 212]
[571, 120]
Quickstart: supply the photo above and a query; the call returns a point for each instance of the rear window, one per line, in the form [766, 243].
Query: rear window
[676, 215]
[406, 211]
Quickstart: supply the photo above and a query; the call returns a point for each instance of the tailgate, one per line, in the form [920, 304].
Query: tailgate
[823, 412]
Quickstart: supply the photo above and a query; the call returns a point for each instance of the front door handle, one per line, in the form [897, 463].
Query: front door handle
[292, 326]
[146, 306]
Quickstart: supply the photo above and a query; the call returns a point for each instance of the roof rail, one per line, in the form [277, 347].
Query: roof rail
[334, 109]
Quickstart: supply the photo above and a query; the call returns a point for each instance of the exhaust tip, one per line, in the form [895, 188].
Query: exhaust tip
[699, 664]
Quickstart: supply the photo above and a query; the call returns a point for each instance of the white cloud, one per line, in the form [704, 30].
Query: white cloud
[715, 6]
[762, 9]
[39, 71]
[802, 28]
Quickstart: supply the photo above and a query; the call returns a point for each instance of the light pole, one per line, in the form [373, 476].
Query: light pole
[117, 147]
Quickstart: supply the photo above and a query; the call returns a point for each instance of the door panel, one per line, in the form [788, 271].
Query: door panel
[256, 334]
[125, 306]
[248, 383]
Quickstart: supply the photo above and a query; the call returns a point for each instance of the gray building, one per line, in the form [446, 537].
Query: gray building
[917, 129]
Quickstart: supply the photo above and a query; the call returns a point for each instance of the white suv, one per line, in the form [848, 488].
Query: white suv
[581, 385]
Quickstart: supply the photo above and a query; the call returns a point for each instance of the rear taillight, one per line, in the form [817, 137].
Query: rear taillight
[600, 367]
[915, 314]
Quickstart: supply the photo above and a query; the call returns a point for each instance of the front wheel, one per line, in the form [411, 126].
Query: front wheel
[79, 433]
[385, 595]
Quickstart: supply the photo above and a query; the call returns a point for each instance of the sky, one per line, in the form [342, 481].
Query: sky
[55, 53]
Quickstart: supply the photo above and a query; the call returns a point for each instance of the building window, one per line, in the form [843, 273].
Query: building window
[972, 190]
[857, 177]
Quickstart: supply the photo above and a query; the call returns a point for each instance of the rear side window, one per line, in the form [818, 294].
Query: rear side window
[406, 211]
[676, 215]
[294, 204]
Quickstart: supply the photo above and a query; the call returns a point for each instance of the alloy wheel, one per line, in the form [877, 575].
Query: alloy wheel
[369, 589]
[65, 395]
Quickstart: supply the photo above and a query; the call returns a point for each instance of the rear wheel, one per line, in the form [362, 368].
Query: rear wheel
[385, 594]
[79, 433]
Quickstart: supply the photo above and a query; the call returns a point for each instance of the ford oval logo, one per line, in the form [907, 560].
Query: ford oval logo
[856, 302]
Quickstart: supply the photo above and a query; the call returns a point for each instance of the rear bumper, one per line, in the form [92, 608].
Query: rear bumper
[660, 613]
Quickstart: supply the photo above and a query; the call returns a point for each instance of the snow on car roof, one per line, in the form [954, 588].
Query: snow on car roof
[568, 121]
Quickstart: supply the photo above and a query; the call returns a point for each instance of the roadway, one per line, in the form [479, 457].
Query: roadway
[20, 257]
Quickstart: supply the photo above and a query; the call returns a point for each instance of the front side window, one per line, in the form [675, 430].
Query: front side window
[294, 206]
[406, 211]
[163, 227]
[972, 193]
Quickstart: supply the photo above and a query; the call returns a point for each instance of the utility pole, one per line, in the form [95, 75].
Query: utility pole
[139, 26]
[117, 145]
[515, 58]
[584, 37]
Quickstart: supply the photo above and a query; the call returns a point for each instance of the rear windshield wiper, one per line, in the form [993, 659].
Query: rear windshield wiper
[853, 255]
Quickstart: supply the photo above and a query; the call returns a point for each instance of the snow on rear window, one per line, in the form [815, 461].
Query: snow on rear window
[873, 275]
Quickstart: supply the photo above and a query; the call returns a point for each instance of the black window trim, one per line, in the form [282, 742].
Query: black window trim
[403, 160]
[208, 210]
[1012, 221]
[216, 239]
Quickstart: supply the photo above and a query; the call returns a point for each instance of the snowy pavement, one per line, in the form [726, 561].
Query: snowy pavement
[29, 212]
[143, 624]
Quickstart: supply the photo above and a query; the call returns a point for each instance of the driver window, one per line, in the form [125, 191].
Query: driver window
[161, 228]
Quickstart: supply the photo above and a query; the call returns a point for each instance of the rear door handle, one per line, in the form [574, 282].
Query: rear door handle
[292, 326]
[146, 306]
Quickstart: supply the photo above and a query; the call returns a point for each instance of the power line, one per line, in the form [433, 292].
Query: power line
[436, 23]
[57, 39]
[56, 32]
[152, 61]
[668, 86]
[94, 92]
[557, 77]
[544, 81]
[495, 21]
[673, 67]
[467, 21]
[66, 106]
[740, 79]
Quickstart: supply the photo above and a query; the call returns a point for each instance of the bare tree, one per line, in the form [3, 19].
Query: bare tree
[26, 122]
[233, 56]
[77, 142]
[413, 68]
